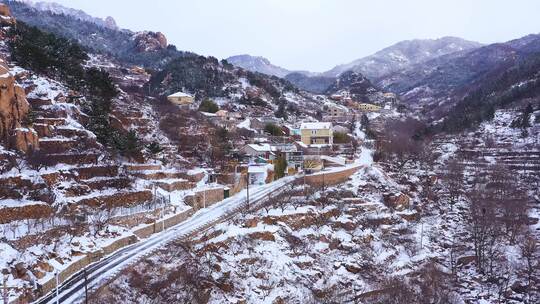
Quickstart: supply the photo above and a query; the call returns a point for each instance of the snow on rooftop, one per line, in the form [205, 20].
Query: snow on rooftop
[246, 124]
[257, 169]
[208, 114]
[261, 147]
[180, 94]
[316, 125]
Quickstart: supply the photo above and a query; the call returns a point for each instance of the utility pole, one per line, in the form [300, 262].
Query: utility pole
[4, 286]
[304, 182]
[85, 287]
[247, 189]
[163, 218]
[421, 235]
[57, 298]
[204, 198]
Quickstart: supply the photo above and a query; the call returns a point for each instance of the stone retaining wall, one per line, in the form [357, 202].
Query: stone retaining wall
[330, 178]
[92, 257]
[11, 214]
[206, 197]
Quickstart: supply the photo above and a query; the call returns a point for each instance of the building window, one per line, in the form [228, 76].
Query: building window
[313, 132]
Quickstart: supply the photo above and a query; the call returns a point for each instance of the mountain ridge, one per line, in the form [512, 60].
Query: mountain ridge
[403, 54]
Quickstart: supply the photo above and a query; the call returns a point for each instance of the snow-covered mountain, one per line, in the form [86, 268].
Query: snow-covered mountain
[59, 9]
[476, 80]
[402, 55]
[257, 64]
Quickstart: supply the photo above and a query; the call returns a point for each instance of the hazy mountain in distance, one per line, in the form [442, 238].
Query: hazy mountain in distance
[402, 55]
[257, 64]
[452, 73]
[315, 84]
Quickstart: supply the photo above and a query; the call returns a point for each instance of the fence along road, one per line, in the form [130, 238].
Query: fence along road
[72, 290]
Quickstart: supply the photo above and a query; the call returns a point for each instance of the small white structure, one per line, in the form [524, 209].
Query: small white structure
[181, 98]
[258, 174]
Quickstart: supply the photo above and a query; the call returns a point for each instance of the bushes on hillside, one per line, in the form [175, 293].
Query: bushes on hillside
[208, 105]
[280, 167]
[273, 130]
[63, 60]
[498, 91]
[47, 54]
[191, 73]
[341, 138]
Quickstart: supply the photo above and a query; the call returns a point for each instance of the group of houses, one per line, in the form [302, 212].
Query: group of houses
[298, 145]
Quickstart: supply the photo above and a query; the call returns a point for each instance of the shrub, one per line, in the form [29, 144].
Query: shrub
[273, 130]
[127, 145]
[154, 148]
[280, 166]
[341, 138]
[208, 105]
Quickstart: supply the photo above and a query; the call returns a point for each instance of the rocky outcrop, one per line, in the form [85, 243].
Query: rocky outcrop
[111, 23]
[397, 201]
[13, 109]
[24, 140]
[150, 41]
[6, 19]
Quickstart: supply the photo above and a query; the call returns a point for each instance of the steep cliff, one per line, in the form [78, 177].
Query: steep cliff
[13, 110]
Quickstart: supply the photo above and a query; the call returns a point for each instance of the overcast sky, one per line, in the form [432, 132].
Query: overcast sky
[315, 35]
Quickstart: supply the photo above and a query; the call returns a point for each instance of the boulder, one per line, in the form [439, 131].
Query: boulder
[7, 18]
[24, 140]
[465, 260]
[398, 201]
[353, 268]
[19, 271]
[251, 223]
[265, 236]
[150, 41]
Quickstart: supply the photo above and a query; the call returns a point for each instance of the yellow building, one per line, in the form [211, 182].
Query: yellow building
[180, 98]
[368, 107]
[317, 133]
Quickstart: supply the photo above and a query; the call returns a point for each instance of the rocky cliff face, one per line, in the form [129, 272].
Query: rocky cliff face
[6, 19]
[13, 104]
[111, 23]
[359, 87]
[13, 110]
[150, 41]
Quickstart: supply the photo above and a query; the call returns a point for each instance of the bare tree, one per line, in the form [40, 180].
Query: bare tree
[529, 252]
[99, 220]
[453, 178]
[482, 225]
[509, 199]
[401, 143]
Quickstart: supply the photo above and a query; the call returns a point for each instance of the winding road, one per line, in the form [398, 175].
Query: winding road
[73, 289]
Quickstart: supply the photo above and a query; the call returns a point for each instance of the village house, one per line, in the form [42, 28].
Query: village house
[368, 107]
[258, 151]
[291, 154]
[337, 110]
[317, 133]
[181, 98]
[390, 98]
[336, 113]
